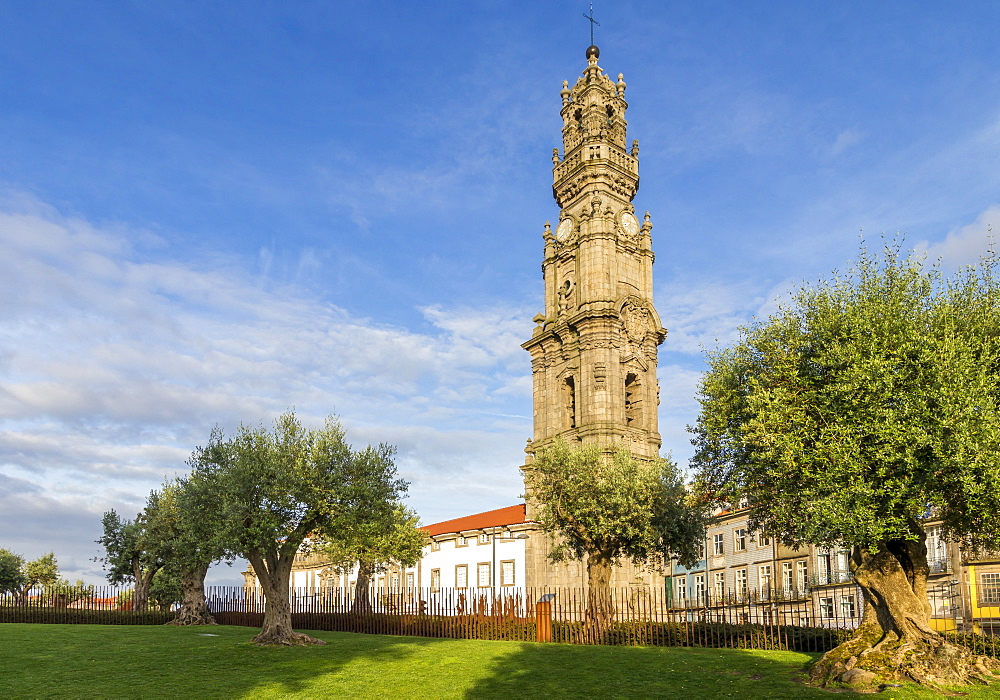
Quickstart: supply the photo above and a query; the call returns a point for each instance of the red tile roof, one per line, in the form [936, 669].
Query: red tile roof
[511, 515]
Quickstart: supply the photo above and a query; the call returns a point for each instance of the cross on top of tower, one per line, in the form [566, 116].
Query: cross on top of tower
[592, 23]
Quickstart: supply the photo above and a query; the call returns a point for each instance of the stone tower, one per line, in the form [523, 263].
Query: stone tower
[593, 350]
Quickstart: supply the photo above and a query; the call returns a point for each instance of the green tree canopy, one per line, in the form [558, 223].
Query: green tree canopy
[267, 491]
[605, 507]
[11, 574]
[133, 552]
[373, 546]
[185, 535]
[867, 404]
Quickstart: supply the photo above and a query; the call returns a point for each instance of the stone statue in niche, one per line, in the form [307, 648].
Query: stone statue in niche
[566, 296]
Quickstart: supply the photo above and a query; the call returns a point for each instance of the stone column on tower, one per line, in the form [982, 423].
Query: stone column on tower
[594, 347]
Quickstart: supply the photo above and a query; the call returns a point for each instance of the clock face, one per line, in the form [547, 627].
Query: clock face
[629, 223]
[565, 228]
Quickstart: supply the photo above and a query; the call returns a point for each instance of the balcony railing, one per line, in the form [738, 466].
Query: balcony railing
[830, 578]
[939, 566]
[983, 555]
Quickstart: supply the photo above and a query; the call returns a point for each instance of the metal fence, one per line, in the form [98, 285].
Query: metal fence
[624, 616]
[814, 620]
[110, 605]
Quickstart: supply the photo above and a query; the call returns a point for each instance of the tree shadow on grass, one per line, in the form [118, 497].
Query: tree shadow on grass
[562, 670]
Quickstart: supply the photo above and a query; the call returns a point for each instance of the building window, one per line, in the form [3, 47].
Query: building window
[937, 552]
[763, 541]
[802, 575]
[410, 580]
[462, 541]
[989, 589]
[824, 566]
[699, 587]
[843, 565]
[633, 402]
[435, 546]
[719, 585]
[701, 551]
[461, 576]
[435, 580]
[718, 544]
[484, 538]
[394, 581]
[681, 588]
[787, 577]
[826, 608]
[569, 401]
[507, 572]
[740, 540]
[483, 575]
[764, 578]
[847, 608]
[741, 582]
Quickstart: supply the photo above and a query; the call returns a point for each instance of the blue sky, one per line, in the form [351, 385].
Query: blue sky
[212, 212]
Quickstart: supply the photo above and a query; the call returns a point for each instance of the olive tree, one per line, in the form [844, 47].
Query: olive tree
[868, 403]
[610, 506]
[373, 546]
[18, 576]
[11, 573]
[189, 543]
[265, 491]
[132, 552]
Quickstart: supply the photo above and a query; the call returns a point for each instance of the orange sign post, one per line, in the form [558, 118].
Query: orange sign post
[543, 618]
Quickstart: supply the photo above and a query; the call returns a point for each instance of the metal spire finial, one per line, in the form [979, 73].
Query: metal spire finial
[592, 22]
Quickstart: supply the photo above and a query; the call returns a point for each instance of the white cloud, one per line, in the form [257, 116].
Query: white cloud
[705, 313]
[845, 139]
[965, 245]
[117, 364]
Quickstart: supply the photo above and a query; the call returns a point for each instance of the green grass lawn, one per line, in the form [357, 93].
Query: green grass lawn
[97, 661]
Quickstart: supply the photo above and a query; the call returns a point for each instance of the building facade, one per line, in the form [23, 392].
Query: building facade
[746, 577]
[594, 346]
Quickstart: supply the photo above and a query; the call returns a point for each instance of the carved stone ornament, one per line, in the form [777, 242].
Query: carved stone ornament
[637, 322]
[600, 375]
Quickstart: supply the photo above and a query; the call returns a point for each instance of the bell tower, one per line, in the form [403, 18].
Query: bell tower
[593, 349]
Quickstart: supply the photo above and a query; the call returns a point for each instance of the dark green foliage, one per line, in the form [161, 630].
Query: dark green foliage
[614, 505]
[133, 550]
[868, 399]
[12, 577]
[263, 492]
[165, 588]
[266, 491]
[65, 592]
[979, 643]
[394, 539]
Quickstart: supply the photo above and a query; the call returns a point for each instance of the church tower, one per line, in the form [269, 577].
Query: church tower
[593, 349]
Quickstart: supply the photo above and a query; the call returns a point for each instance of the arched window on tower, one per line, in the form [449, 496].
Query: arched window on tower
[633, 400]
[569, 402]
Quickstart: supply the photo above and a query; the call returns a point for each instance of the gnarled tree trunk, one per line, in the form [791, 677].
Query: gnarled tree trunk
[600, 608]
[277, 627]
[362, 588]
[143, 580]
[895, 641]
[194, 608]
